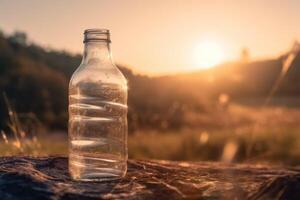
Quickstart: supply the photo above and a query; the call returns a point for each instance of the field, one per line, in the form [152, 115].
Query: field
[240, 134]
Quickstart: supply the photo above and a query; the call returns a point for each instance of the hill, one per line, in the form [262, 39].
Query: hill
[35, 81]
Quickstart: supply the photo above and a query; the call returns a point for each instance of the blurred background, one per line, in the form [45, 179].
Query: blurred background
[208, 80]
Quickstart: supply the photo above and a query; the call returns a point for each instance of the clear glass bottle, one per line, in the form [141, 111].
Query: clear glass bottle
[97, 113]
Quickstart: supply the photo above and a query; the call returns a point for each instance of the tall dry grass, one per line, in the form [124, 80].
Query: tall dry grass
[16, 141]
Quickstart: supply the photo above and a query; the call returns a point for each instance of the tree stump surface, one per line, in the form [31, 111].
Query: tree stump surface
[48, 178]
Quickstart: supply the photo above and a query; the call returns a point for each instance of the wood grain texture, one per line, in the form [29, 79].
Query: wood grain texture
[48, 178]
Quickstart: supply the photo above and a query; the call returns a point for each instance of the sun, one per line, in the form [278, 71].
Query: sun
[207, 54]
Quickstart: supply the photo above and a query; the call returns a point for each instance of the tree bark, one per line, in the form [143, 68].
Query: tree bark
[48, 178]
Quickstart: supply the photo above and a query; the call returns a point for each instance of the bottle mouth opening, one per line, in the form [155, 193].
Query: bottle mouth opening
[94, 35]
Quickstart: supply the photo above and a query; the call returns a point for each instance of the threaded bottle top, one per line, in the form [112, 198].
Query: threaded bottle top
[96, 35]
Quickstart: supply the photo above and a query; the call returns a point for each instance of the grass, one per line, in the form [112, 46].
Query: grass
[275, 146]
[281, 146]
[22, 142]
[54, 144]
[243, 134]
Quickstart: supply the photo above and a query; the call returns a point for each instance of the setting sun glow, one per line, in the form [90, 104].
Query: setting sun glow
[207, 54]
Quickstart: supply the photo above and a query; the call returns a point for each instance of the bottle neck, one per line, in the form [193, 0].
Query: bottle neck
[98, 51]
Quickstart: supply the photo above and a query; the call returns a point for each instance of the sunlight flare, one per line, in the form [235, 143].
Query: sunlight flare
[208, 53]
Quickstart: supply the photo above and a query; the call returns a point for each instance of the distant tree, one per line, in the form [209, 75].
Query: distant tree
[295, 47]
[19, 38]
[245, 55]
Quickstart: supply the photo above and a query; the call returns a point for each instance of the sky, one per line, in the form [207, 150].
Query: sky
[161, 37]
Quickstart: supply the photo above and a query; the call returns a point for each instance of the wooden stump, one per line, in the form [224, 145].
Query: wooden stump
[48, 178]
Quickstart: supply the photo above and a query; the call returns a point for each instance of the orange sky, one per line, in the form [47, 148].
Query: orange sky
[159, 37]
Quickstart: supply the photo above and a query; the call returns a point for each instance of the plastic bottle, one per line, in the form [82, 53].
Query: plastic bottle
[97, 113]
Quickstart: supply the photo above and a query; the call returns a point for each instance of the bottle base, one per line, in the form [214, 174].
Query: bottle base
[94, 169]
[96, 177]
